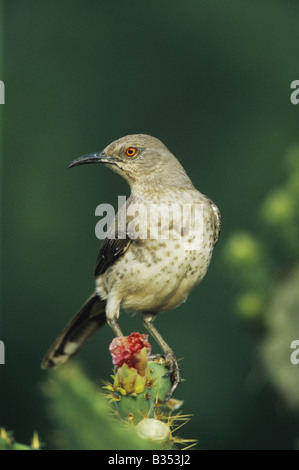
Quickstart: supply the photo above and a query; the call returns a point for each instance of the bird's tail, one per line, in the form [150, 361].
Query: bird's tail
[77, 332]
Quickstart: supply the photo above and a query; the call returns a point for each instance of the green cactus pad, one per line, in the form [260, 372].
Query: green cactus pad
[161, 382]
[135, 407]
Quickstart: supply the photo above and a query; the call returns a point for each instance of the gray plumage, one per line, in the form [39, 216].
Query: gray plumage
[144, 274]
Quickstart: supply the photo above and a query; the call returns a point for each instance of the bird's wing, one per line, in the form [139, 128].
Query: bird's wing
[109, 252]
[115, 244]
[217, 220]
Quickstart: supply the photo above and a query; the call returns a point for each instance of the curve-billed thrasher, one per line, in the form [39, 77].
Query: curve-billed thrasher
[144, 273]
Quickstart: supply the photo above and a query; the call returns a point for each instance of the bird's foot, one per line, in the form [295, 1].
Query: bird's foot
[171, 363]
[157, 358]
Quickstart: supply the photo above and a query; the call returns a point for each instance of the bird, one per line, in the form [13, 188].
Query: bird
[153, 256]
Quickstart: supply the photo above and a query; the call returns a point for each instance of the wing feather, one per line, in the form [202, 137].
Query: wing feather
[115, 244]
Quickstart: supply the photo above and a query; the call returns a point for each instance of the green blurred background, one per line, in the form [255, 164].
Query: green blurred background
[211, 79]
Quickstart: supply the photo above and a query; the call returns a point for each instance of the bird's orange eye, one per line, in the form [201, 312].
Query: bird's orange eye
[131, 151]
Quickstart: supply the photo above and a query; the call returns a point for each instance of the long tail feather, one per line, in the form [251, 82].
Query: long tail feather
[78, 331]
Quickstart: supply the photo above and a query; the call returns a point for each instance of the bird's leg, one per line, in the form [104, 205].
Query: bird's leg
[112, 314]
[112, 322]
[170, 358]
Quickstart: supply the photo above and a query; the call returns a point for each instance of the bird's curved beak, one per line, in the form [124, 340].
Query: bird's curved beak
[98, 157]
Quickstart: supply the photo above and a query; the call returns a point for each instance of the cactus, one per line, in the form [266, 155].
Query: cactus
[7, 442]
[134, 406]
[255, 261]
[140, 383]
[282, 328]
[84, 419]
[140, 387]
[267, 272]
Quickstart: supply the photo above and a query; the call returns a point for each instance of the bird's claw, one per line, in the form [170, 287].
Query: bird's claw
[171, 363]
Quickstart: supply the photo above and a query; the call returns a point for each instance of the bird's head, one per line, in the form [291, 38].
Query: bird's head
[140, 159]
